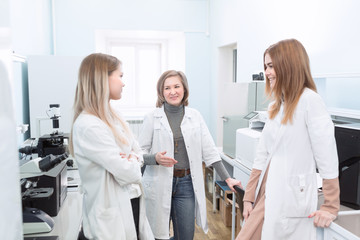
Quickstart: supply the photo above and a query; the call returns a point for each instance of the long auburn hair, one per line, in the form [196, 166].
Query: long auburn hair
[160, 87]
[292, 67]
[93, 94]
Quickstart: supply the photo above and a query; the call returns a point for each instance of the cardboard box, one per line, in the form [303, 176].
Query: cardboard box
[208, 179]
[238, 215]
[225, 212]
[238, 221]
[223, 190]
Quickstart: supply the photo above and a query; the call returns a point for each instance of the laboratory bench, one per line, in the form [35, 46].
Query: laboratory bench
[345, 227]
[68, 221]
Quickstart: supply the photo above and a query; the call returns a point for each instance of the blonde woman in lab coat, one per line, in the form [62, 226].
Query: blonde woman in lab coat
[177, 192]
[107, 155]
[281, 196]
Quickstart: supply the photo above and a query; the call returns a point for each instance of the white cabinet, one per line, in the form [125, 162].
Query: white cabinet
[242, 174]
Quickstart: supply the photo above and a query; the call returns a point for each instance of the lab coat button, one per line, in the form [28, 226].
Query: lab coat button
[301, 189]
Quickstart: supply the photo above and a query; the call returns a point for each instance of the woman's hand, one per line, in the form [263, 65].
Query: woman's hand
[163, 160]
[123, 155]
[130, 158]
[232, 182]
[248, 207]
[322, 218]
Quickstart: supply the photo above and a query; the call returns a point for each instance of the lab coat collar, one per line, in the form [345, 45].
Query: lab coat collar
[161, 116]
[160, 113]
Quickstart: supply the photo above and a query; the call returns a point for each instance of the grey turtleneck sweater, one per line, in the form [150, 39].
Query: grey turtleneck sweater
[175, 115]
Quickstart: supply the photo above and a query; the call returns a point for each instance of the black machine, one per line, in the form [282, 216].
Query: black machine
[43, 189]
[52, 143]
[44, 183]
[47, 171]
[348, 146]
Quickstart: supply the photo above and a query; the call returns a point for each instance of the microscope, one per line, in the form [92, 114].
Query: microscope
[37, 200]
[43, 177]
[52, 143]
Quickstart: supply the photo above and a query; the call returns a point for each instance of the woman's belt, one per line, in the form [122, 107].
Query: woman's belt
[181, 172]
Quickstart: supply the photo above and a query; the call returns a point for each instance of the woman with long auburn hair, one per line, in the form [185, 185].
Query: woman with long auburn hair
[107, 155]
[281, 196]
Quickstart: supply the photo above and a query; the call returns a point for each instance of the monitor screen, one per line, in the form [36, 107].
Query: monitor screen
[251, 115]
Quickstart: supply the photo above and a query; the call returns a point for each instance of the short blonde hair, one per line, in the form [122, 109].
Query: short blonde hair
[160, 87]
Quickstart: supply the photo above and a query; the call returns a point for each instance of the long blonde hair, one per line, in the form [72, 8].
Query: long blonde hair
[292, 67]
[93, 95]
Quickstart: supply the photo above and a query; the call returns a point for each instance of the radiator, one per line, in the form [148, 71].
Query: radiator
[135, 125]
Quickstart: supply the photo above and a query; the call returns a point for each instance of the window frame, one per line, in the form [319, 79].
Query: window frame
[172, 52]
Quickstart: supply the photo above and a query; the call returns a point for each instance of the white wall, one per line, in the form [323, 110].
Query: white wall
[58, 75]
[327, 28]
[31, 27]
[77, 21]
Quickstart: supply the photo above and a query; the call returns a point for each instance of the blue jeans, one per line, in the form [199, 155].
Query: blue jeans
[183, 208]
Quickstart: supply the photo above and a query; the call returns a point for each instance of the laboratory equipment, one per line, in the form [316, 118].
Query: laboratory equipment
[257, 102]
[348, 146]
[36, 220]
[48, 172]
[230, 124]
[55, 142]
[247, 139]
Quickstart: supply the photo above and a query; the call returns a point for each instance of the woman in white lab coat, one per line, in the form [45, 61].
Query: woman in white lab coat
[107, 155]
[177, 192]
[281, 197]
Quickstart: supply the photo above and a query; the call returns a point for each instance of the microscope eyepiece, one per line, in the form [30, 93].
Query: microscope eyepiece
[51, 161]
[28, 150]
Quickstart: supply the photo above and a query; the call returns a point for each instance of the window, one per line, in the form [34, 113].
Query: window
[142, 68]
[145, 56]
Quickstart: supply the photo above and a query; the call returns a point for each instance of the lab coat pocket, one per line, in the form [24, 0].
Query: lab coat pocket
[148, 184]
[300, 195]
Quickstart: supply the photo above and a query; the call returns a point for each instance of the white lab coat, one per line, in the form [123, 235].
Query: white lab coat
[291, 188]
[10, 200]
[156, 136]
[107, 180]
